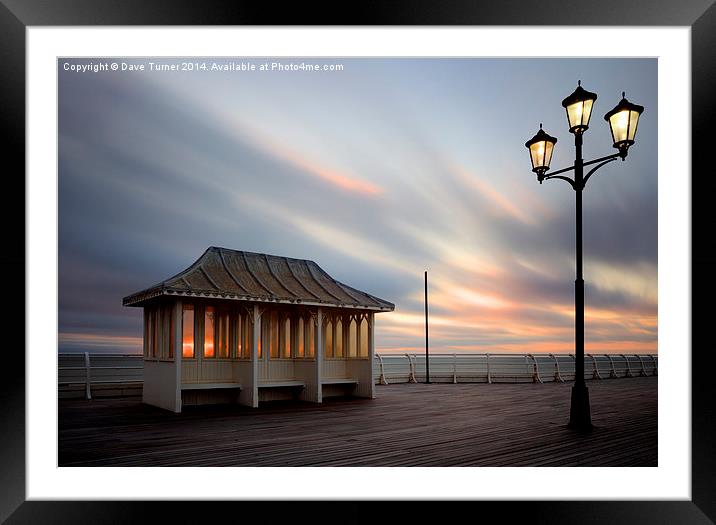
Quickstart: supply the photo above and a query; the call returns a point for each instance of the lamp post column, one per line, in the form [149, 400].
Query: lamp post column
[580, 413]
[622, 120]
[427, 353]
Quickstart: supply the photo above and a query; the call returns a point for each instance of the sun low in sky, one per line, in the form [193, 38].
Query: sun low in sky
[377, 170]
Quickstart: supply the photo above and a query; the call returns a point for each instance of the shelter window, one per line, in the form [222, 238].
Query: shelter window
[363, 347]
[163, 318]
[310, 341]
[272, 335]
[187, 331]
[339, 339]
[247, 332]
[352, 339]
[237, 339]
[301, 344]
[329, 339]
[285, 337]
[223, 333]
[209, 329]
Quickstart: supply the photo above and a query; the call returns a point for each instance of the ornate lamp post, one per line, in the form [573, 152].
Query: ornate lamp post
[623, 120]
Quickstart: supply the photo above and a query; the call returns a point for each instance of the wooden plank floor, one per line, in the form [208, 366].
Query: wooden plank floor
[436, 425]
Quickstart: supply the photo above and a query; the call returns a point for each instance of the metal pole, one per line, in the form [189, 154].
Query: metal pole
[580, 413]
[427, 354]
[88, 377]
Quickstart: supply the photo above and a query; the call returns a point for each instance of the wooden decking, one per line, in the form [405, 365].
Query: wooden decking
[436, 425]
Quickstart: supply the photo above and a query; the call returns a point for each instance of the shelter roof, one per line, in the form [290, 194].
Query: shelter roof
[222, 273]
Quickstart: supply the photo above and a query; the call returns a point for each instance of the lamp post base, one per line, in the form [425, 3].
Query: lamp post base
[580, 415]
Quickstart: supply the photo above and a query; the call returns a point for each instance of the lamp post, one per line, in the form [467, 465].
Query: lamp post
[623, 120]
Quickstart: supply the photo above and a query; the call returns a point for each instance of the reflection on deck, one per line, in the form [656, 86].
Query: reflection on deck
[406, 425]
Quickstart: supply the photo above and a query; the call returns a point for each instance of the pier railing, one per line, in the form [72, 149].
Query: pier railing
[109, 374]
[508, 368]
[82, 374]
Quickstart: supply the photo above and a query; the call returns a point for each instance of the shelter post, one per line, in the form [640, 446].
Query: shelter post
[178, 348]
[318, 337]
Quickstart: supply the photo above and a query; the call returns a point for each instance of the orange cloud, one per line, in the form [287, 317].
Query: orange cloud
[504, 204]
[334, 177]
[546, 347]
[95, 341]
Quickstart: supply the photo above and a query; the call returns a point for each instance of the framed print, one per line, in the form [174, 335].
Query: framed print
[246, 239]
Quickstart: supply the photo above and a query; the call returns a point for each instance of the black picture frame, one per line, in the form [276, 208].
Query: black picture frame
[699, 15]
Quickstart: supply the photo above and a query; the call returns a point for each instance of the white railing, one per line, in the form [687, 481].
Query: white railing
[84, 370]
[508, 368]
[88, 369]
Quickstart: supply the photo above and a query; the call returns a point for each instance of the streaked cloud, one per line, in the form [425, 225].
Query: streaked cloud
[93, 342]
[492, 197]
[332, 176]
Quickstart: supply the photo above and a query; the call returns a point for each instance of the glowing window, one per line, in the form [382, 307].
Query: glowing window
[247, 330]
[273, 335]
[223, 333]
[352, 338]
[310, 334]
[238, 336]
[187, 338]
[209, 330]
[329, 339]
[339, 339]
[363, 350]
[300, 350]
[262, 329]
[285, 337]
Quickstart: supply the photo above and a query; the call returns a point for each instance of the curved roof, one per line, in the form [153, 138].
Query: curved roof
[221, 273]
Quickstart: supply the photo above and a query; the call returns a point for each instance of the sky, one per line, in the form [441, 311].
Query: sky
[377, 170]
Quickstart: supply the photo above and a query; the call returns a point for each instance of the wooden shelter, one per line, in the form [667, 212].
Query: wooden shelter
[249, 327]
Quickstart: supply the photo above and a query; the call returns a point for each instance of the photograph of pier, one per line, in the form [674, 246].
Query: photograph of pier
[357, 262]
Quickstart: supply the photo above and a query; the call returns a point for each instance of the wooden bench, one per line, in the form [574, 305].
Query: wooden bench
[339, 381]
[281, 383]
[338, 386]
[99, 382]
[209, 386]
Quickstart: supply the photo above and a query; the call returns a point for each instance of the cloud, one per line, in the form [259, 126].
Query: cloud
[491, 197]
[97, 342]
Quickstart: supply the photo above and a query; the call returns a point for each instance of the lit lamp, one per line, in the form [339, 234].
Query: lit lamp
[541, 147]
[623, 120]
[579, 108]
